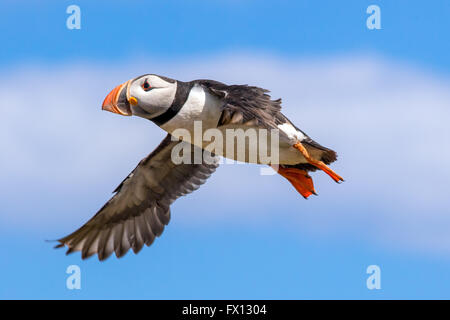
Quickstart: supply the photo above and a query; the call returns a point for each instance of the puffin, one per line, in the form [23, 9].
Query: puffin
[139, 209]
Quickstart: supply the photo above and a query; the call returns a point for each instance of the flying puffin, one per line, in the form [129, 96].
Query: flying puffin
[140, 207]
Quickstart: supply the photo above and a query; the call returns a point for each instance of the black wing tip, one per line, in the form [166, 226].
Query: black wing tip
[84, 256]
[121, 253]
[60, 243]
[58, 246]
[63, 245]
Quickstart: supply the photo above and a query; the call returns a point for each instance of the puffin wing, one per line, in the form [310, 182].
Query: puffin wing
[253, 106]
[140, 207]
[246, 105]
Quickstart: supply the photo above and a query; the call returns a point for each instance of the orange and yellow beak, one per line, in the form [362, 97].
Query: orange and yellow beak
[117, 102]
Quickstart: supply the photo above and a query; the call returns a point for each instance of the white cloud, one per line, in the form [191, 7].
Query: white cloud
[388, 122]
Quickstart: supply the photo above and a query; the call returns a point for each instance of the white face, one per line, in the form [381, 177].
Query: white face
[153, 94]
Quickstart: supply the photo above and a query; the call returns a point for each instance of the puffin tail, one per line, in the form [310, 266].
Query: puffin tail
[300, 179]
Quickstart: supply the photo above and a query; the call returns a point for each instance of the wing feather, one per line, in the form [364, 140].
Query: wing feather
[243, 103]
[140, 207]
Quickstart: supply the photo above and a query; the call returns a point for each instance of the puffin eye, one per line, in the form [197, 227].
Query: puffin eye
[146, 86]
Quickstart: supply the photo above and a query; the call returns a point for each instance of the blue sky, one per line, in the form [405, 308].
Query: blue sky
[377, 97]
[114, 31]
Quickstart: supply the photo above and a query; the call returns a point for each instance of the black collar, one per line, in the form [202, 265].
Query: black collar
[181, 95]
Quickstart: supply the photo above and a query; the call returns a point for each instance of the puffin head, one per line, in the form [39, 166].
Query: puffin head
[146, 96]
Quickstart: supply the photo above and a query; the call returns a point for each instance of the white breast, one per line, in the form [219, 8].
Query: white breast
[199, 106]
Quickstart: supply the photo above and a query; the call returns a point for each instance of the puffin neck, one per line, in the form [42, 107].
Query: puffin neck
[181, 95]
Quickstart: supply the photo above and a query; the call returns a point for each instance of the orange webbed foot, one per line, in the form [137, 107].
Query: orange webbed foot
[300, 179]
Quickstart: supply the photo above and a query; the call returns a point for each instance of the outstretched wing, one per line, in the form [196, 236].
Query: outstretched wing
[140, 208]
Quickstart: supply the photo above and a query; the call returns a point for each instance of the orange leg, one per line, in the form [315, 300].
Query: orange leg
[319, 164]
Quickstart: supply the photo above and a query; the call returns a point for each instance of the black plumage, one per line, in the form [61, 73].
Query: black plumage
[140, 208]
[249, 105]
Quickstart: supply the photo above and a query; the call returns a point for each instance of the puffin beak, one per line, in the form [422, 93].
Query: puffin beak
[116, 101]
